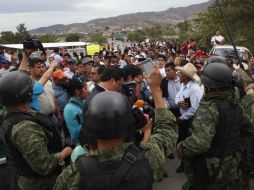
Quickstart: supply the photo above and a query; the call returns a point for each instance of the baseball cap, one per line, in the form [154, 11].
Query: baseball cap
[58, 58]
[59, 74]
[87, 60]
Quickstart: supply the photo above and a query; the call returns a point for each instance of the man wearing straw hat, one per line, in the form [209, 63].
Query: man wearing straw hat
[188, 99]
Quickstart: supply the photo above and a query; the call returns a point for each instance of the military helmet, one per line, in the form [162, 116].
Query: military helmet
[216, 59]
[216, 75]
[15, 87]
[108, 116]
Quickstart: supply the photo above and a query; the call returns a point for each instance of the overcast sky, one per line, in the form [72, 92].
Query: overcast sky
[38, 13]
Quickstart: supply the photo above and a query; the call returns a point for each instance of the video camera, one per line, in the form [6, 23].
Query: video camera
[32, 43]
[139, 110]
[129, 88]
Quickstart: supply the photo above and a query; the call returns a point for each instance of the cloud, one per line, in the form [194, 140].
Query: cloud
[17, 6]
[38, 13]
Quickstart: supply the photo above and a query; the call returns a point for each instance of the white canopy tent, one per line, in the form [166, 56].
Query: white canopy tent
[48, 45]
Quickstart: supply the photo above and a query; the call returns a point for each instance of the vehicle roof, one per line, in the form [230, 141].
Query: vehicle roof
[229, 46]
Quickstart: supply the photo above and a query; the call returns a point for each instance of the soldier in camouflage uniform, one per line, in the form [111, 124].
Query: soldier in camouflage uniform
[212, 153]
[155, 148]
[32, 146]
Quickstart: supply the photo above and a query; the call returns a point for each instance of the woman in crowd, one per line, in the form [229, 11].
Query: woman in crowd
[73, 111]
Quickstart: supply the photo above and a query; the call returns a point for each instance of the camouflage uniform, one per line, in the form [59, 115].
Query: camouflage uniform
[159, 145]
[203, 133]
[30, 139]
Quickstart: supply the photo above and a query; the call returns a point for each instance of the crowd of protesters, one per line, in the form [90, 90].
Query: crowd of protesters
[65, 83]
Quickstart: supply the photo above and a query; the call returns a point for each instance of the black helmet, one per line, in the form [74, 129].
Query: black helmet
[15, 87]
[109, 116]
[216, 75]
[216, 59]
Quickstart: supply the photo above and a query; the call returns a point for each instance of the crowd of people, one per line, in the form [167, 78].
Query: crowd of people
[100, 122]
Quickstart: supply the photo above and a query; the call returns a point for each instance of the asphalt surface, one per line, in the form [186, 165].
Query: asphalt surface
[174, 181]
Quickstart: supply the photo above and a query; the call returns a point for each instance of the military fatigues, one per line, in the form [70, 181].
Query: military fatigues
[159, 145]
[203, 133]
[30, 140]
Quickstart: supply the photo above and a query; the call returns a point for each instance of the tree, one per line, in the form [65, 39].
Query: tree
[7, 37]
[97, 37]
[72, 38]
[136, 36]
[184, 26]
[239, 14]
[47, 38]
[21, 33]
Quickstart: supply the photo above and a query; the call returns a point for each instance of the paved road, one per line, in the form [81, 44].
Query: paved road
[175, 181]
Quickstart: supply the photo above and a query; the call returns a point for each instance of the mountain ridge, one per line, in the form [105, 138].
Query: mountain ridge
[127, 22]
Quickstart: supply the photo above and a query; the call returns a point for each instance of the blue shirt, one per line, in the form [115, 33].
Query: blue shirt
[61, 96]
[173, 88]
[38, 89]
[193, 91]
[122, 64]
[73, 116]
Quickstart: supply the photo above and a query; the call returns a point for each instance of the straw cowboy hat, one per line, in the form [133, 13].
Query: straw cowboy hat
[190, 71]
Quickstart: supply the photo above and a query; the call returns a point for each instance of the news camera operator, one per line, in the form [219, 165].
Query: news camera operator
[109, 119]
[132, 75]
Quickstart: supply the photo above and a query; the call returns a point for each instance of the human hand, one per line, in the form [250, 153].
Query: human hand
[66, 152]
[154, 81]
[178, 120]
[28, 51]
[183, 104]
[54, 64]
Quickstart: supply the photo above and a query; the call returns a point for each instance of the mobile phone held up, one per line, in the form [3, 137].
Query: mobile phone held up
[147, 66]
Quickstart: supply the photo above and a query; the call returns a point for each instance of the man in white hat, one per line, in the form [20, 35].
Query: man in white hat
[188, 99]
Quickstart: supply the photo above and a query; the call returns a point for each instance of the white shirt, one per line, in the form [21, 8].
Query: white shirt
[68, 73]
[217, 38]
[163, 72]
[193, 91]
[173, 88]
[90, 85]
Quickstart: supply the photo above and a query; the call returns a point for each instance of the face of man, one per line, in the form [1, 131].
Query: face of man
[89, 75]
[171, 73]
[202, 59]
[183, 78]
[114, 62]
[72, 67]
[88, 67]
[81, 69]
[44, 57]
[138, 79]
[181, 57]
[160, 63]
[127, 59]
[38, 70]
[117, 54]
[217, 33]
[96, 59]
[85, 92]
[66, 59]
[150, 54]
[6, 65]
[14, 57]
[177, 62]
[95, 75]
[115, 85]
